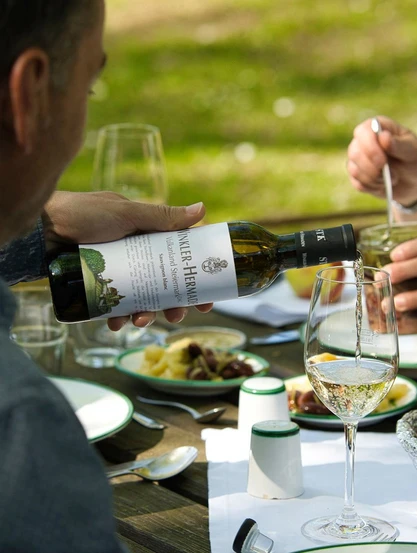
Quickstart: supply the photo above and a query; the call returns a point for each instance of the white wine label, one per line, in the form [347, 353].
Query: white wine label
[158, 271]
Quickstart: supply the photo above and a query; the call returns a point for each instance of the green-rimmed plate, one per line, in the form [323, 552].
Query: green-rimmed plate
[130, 361]
[102, 411]
[407, 346]
[399, 547]
[404, 403]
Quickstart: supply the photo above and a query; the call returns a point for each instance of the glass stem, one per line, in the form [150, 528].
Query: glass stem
[349, 521]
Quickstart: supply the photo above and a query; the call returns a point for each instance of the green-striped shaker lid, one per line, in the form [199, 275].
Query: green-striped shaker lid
[275, 429]
[263, 385]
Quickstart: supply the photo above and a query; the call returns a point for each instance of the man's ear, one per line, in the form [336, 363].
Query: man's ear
[29, 91]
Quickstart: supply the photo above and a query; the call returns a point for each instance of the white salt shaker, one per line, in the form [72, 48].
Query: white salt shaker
[275, 469]
[261, 398]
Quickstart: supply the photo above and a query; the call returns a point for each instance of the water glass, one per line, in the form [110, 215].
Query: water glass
[96, 346]
[36, 330]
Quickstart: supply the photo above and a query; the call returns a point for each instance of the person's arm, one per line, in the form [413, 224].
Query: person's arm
[367, 154]
[24, 259]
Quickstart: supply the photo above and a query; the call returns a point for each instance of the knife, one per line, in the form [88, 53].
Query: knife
[147, 421]
[280, 337]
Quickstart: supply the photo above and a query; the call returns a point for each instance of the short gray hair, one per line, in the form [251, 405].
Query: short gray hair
[56, 26]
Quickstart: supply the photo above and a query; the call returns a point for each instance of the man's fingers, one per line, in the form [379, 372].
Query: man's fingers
[204, 308]
[175, 315]
[116, 323]
[405, 251]
[406, 301]
[401, 270]
[142, 320]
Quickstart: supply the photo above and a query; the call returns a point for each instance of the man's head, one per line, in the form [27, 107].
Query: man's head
[54, 26]
[50, 54]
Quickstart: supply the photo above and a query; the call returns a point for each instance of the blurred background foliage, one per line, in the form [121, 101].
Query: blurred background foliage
[256, 99]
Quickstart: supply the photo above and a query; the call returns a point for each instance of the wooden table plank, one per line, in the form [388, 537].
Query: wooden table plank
[132, 546]
[159, 519]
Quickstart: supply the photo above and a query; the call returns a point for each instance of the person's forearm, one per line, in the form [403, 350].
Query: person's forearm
[24, 258]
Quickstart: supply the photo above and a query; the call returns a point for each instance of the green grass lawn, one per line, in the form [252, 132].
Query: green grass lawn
[256, 99]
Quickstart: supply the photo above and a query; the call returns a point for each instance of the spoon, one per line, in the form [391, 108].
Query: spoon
[386, 174]
[208, 416]
[157, 468]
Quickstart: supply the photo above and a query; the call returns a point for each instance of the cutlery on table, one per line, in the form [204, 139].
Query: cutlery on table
[144, 420]
[208, 416]
[280, 337]
[156, 468]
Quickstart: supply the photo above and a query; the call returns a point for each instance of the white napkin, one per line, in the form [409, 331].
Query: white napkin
[385, 487]
[276, 306]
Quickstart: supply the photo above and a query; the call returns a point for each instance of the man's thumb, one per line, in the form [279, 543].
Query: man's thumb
[165, 218]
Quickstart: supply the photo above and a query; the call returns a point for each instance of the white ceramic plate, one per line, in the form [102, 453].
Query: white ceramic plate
[407, 344]
[210, 336]
[399, 547]
[331, 421]
[130, 361]
[101, 410]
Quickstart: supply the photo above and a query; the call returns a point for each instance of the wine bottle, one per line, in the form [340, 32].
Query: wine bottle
[151, 272]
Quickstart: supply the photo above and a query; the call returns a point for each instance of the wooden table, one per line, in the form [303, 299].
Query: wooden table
[172, 516]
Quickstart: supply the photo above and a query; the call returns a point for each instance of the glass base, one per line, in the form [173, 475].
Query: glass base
[130, 336]
[326, 530]
[97, 358]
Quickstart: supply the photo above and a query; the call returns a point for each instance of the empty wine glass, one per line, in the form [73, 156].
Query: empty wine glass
[130, 160]
[351, 360]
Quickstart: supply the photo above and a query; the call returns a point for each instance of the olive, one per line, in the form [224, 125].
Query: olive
[194, 350]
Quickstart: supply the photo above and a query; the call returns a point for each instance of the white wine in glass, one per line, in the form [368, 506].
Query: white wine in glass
[351, 360]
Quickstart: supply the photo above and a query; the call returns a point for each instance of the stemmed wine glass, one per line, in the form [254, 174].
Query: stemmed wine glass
[130, 160]
[351, 360]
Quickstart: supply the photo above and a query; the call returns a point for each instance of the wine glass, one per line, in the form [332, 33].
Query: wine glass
[351, 360]
[130, 160]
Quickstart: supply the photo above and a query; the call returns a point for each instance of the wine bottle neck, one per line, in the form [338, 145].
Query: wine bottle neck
[319, 246]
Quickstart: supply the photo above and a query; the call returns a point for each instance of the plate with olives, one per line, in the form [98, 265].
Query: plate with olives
[305, 406]
[189, 368]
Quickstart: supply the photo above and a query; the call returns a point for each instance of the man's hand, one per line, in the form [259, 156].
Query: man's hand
[367, 154]
[92, 217]
[404, 267]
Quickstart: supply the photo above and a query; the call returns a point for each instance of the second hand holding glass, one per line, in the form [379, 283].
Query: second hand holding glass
[351, 360]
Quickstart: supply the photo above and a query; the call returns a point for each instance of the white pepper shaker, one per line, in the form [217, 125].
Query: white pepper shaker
[275, 469]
